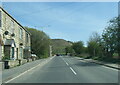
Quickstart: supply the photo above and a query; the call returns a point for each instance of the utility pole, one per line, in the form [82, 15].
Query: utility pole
[0, 3]
[94, 52]
[50, 50]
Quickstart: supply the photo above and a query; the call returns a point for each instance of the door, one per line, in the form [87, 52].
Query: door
[17, 53]
[7, 52]
[13, 52]
[0, 52]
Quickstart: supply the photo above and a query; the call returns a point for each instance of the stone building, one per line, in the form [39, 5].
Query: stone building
[1, 44]
[15, 38]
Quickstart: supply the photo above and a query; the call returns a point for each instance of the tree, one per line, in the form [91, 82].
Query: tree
[78, 47]
[118, 35]
[110, 38]
[39, 43]
[69, 50]
[95, 37]
[94, 42]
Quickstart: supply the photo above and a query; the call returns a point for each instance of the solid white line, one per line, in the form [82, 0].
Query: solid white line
[21, 74]
[98, 64]
[110, 68]
[73, 71]
[26, 72]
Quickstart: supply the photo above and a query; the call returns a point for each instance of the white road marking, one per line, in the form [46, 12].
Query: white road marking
[27, 71]
[70, 67]
[67, 63]
[98, 64]
[77, 57]
[73, 71]
[110, 68]
[21, 74]
[64, 60]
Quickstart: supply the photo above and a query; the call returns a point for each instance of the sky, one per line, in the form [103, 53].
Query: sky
[72, 21]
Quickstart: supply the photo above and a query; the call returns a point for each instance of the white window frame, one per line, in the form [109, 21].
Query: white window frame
[12, 26]
[21, 33]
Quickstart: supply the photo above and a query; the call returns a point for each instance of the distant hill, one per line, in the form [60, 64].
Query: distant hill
[59, 45]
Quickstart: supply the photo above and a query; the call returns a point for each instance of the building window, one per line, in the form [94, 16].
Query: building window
[21, 33]
[27, 38]
[0, 19]
[12, 26]
[21, 52]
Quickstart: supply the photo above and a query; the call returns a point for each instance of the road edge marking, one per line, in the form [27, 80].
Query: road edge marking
[110, 68]
[102, 65]
[27, 71]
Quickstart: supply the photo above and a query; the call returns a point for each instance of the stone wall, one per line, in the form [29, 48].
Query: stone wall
[1, 66]
[13, 63]
[23, 61]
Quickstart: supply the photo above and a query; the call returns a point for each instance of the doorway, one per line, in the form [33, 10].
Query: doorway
[17, 53]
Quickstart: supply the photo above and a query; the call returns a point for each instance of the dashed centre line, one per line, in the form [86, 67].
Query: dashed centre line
[67, 63]
[70, 67]
[73, 71]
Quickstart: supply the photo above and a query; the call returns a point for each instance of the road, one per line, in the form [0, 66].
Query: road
[63, 69]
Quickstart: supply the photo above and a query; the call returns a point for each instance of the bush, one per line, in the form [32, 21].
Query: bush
[95, 58]
[5, 58]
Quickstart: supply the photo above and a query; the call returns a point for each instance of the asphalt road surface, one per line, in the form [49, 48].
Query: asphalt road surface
[63, 69]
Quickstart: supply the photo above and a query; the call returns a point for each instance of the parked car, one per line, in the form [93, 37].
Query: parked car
[57, 55]
[33, 56]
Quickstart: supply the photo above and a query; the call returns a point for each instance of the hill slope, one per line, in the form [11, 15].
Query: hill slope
[59, 45]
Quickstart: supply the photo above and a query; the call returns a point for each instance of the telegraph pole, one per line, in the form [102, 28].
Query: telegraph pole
[50, 50]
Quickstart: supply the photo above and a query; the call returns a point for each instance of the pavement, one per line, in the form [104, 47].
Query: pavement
[0, 73]
[13, 72]
[63, 69]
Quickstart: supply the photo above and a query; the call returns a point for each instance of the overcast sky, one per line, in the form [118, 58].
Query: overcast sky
[73, 21]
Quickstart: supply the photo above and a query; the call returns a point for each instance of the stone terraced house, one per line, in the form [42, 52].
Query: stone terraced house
[15, 42]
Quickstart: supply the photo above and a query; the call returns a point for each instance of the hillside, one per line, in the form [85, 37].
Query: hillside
[59, 45]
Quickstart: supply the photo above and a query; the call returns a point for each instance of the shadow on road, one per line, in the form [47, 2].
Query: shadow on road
[85, 64]
[58, 67]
